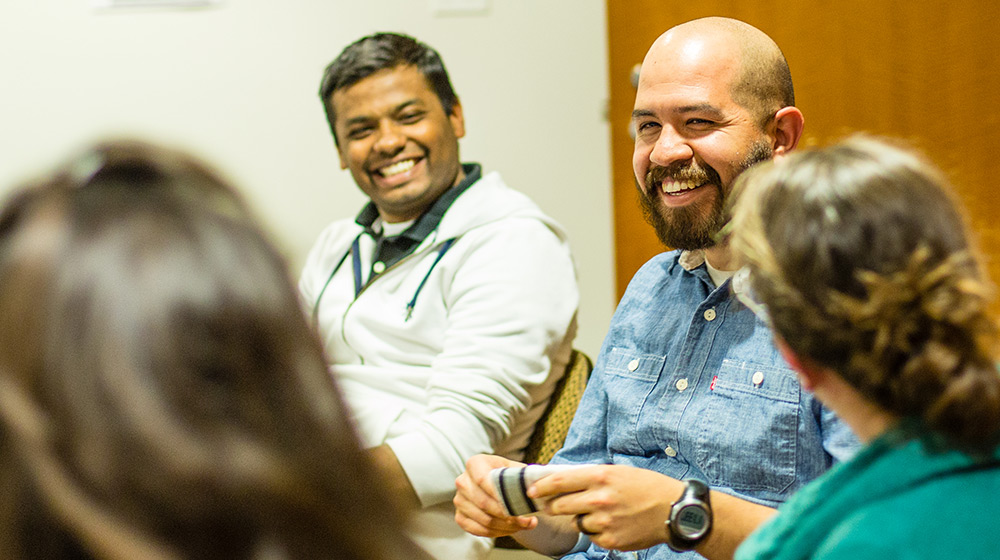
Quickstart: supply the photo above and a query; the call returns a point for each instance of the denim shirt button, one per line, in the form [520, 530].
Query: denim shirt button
[378, 267]
[670, 451]
[710, 314]
[633, 365]
[681, 384]
[758, 378]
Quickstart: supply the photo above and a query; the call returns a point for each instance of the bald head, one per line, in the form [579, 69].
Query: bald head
[729, 49]
[713, 98]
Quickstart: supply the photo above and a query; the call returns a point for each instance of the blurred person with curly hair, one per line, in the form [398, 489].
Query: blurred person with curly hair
[860, 258]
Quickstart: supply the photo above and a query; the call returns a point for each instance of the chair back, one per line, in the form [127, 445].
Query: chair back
[551, 429]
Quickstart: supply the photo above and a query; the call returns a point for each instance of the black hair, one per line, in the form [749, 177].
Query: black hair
[382, 51]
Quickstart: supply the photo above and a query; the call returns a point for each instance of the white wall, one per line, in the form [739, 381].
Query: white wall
[237, 84]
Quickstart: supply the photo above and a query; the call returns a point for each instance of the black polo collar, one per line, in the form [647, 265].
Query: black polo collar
[391, 250]
[429, 220]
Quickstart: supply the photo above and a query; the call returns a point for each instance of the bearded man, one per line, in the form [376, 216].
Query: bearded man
[694, 424]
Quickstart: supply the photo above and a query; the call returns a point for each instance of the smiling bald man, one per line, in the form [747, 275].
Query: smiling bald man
[694, 424]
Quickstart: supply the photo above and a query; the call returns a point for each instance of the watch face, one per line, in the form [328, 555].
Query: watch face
[691, 521]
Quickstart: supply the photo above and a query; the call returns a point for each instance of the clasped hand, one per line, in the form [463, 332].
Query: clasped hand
[623, 507]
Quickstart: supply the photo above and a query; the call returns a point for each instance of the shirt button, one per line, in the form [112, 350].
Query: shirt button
[633, 365]
[758, 378]
[670, 451]
[710, 314]
[681, 384]
[378, 267]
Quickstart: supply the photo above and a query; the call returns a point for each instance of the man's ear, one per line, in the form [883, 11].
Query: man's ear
[338, 142]
[810, 374]
[457, 119]
[788, 124]
[341, 149]
[343, 160]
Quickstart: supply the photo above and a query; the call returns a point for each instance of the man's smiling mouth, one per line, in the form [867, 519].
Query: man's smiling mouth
[674, 187]
[397, 167]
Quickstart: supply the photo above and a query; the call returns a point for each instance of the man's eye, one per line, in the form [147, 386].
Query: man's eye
[358, 133]
[647, 126]
[699, 122]
[410, 118]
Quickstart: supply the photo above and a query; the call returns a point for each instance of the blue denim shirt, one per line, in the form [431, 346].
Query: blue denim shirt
[689, 384]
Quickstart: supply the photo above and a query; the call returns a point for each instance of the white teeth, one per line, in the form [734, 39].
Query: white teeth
[672, 187]
[397, 168]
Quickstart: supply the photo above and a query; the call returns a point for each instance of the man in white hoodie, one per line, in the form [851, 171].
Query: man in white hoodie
[448, 305]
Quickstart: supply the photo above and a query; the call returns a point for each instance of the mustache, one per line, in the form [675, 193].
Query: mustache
[680, 171]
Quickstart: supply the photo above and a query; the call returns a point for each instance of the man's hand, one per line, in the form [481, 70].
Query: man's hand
[477, 507]
[624, 507]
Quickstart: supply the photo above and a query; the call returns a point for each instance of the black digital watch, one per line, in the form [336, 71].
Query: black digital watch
[690, 519]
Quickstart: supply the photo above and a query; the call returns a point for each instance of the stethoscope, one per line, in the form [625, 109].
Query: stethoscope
[355, 253]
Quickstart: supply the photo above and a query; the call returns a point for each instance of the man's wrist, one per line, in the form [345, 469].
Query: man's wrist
[582, 544]
[689, 521]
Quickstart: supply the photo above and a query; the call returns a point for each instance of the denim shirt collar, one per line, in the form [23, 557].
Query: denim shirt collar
[693, 261]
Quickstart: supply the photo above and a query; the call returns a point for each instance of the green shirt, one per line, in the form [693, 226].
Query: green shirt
[895, 500]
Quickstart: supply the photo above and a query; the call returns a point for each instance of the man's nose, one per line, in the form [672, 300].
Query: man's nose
[390, 138]
[670, 147]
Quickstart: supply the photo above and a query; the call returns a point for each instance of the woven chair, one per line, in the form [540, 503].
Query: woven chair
[551, 429]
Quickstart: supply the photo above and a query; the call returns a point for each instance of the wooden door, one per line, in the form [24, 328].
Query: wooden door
[923, 70]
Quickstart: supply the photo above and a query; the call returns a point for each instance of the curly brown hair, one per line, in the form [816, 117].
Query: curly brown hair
[864, 262]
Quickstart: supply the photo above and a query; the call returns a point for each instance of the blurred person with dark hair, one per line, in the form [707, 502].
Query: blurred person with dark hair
[161, 395]
[448, 305]
[859, 257]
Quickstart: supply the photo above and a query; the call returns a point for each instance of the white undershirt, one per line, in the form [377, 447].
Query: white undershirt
[718, 276]
[392, 230]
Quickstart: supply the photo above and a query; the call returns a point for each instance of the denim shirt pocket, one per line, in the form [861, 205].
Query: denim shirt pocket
[747, 440]
[632, 377]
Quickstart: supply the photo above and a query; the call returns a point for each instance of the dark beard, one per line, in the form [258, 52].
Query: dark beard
[694, 226]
